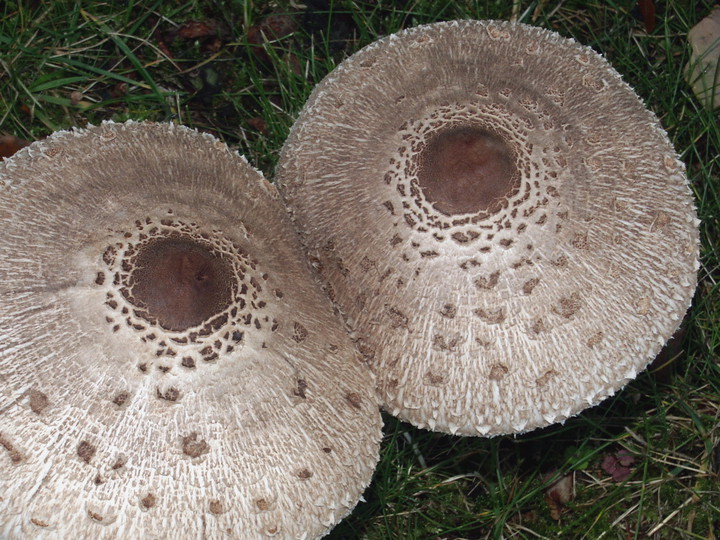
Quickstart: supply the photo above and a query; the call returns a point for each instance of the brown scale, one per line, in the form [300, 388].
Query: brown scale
[194, 446]
[14, 454]
[176, 281]
[180, 283]
[86, 451]
[462, 169]
[38, 401]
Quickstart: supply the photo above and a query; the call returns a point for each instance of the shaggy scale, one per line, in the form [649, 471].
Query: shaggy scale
[506, 228]
[168, 366]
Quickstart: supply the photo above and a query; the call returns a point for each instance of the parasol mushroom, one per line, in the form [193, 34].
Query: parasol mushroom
[168, 366]
[505, 226]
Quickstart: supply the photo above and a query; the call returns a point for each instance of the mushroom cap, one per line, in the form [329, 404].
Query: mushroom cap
[169, 367]
[507, 229]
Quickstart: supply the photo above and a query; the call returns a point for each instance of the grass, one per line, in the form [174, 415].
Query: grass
[67, 65]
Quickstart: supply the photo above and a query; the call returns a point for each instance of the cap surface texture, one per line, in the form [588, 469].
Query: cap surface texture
[505, 226]
[169, 367]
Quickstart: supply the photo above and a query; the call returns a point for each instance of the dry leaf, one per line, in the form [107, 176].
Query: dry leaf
[559, 494]
[198, 29]
[258, 124]
[618, 465]
[9, 144]
[703, 73]
[647, 12]
[270, 28]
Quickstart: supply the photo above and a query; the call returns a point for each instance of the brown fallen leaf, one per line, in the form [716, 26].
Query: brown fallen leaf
[258, 124]
[198, 29]
[270, 28]
[560, 492]
[647, 12]
[119, 90]
[618, 465]
[703, 71]
[76, 97]
[9, 144]
[163, 39]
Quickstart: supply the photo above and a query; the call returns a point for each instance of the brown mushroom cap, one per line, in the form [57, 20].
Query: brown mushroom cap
[506, 227]
[169, 368]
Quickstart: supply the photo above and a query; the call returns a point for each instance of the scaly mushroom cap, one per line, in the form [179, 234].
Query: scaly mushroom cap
[168, 366]
[505, 226]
